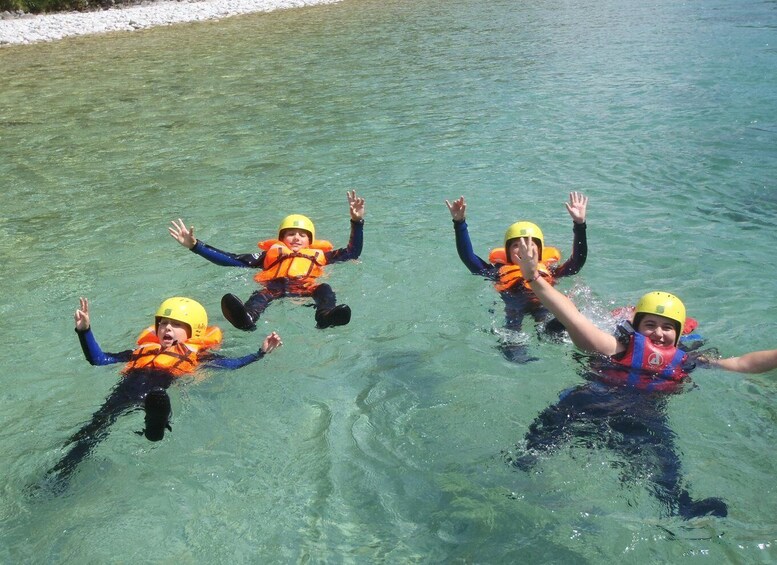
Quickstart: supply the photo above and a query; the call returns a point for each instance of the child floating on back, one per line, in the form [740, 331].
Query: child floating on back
[177, 343]
[502, 266]
[289, 266]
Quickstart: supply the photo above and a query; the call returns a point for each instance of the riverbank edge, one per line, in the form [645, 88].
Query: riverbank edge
[25, 29]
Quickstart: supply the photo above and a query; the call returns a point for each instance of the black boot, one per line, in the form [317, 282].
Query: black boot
[158, 414]
[236, 313]
[340, 315]
[328, 313]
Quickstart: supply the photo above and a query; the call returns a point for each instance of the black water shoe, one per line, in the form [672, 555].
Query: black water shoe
[340, 315]
[236, 314]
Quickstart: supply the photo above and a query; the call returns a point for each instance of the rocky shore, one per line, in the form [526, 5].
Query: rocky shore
[24, 28]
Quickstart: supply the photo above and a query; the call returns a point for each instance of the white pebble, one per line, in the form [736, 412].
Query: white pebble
[50, 27]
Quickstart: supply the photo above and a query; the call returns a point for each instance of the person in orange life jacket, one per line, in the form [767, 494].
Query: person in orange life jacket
[623, 407]
[289, 266]
[179, 341]
[502, 267]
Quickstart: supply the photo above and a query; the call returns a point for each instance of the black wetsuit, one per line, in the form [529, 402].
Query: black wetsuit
[630, 422]
[518, 300]
[322, 293]
[138, 389]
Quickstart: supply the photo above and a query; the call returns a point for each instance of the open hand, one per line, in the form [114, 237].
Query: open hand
[576, 206]
[182, 234]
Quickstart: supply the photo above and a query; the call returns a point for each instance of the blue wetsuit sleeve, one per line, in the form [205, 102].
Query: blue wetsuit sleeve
[219, 362]
[579, 253]
[95, 355]
[475, 264]
[226, 259]
[354, 248]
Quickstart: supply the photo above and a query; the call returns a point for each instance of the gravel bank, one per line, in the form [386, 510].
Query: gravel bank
[24, 29]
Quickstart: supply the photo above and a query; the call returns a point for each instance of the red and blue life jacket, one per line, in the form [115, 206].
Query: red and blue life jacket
[647, 366]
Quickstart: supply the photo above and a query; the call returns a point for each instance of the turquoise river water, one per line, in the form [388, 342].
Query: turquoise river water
[383, 441]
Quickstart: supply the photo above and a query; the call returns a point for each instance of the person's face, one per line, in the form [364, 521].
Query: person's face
[171, 332]
[512, 254]
[658, 329]
[295, 239]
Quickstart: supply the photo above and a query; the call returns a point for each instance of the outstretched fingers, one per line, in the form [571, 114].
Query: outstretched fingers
[577, 205]
[182, 234]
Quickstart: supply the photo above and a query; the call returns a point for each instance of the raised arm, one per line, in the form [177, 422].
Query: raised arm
[182, 234]
[584, 333]
[475, 264]
[185, 236]
[577, 205]
[91, 349]
[356, 239]
[355, 206]
[457, 208]
[82, 315]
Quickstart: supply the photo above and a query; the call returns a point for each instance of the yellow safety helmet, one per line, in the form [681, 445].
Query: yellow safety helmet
[186, 311]
[662, 304]
[300, 222]
[524, 229]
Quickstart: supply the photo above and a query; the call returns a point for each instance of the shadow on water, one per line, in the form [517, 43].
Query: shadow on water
[401, 413]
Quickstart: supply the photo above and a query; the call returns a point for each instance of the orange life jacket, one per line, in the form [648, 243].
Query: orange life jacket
[180, 359]
[510, 274]
[281, 262]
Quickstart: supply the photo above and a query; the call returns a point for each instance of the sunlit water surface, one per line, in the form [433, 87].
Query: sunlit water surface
[383, 441]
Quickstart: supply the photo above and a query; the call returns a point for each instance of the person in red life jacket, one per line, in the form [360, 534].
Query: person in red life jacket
[179, 342]
[502, 267]
[290, 266]
[623, 406]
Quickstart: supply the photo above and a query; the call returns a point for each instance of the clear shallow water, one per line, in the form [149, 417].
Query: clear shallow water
[382, 441]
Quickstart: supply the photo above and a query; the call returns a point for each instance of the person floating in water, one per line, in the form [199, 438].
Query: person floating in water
[179, 341]
[502, 266]
[289, 266]
[622, 407]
